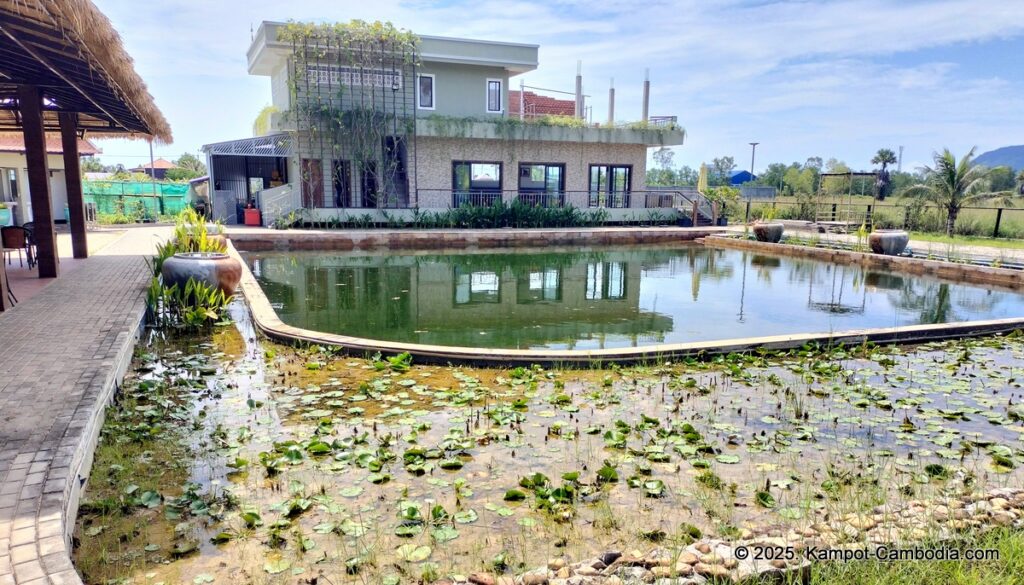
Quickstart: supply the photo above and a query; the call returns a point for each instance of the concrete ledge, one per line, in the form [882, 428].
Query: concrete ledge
[1001, 277]
[262, 240]
[267, 321]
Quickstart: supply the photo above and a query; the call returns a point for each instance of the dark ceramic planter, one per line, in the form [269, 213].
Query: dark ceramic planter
[215, 269]
[768, 232]
[888, 242]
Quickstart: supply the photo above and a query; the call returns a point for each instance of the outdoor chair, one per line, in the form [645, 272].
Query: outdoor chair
[30, 227]
[16, 239]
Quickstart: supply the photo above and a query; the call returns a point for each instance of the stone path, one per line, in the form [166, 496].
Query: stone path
[62, 353]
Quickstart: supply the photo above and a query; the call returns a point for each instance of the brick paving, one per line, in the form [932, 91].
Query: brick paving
[62, 353]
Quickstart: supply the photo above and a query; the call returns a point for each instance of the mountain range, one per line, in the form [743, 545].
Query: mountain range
[1007, 156]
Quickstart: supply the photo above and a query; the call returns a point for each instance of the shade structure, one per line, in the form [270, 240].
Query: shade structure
[64, 69]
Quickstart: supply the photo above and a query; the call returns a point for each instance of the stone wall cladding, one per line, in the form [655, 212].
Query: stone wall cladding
[434, 159]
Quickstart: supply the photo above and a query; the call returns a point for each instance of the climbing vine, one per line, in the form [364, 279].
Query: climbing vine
[353, 94]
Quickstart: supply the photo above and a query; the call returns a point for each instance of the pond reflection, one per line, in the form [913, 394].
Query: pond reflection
[602, 298]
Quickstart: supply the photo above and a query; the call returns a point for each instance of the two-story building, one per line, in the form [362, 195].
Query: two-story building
[369, 119]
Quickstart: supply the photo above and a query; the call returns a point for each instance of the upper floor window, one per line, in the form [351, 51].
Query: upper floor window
[425, 91]
[494, 97]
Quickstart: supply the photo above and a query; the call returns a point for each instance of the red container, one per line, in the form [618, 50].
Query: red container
[252, 217]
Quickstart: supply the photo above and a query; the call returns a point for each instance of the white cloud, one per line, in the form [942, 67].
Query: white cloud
[834, 78]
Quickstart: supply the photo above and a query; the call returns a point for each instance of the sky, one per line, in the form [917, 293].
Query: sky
[828, 78]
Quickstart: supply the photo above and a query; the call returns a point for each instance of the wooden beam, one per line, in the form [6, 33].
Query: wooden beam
[31, 100]
[73, 180]
[43, 62]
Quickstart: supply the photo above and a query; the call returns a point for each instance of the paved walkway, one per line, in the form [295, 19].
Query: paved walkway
[62, 352]
[959, 251]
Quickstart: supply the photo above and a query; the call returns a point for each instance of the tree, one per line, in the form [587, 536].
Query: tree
[773, 175]
[815, 163]
[261, 125]
[952, 183]
[91, 164]
[1002, 179]
[663, 157]
[722, 168]
[883, 185]
[1020, 182]
[191, 162]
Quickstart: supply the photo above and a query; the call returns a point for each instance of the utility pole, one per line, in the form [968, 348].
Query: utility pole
[899, 162]
[753, 149]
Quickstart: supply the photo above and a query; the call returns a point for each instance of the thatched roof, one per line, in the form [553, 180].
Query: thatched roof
[71, 50]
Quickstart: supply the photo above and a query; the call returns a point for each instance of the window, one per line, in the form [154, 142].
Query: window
[312, 183]
[475, 183]
[425, 91]
[610, 185]
[606, 280]
[476, 287]
[342, 183]
[539, 285]
[494, 97]
[542, 177]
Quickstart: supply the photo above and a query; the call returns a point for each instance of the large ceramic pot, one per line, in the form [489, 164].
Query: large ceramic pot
[768, 231]
[888, 242]
[215, 269]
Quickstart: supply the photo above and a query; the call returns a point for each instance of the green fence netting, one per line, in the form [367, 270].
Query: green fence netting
[132, 197]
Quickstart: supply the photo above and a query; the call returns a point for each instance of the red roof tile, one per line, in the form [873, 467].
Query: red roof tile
[159, 163]
[15, 142]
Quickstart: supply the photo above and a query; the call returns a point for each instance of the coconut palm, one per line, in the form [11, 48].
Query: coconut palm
[952, 183]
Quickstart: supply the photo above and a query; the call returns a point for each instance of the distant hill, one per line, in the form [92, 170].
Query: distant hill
[1007, 156]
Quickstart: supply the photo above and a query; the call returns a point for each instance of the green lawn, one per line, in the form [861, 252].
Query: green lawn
[1008, 568]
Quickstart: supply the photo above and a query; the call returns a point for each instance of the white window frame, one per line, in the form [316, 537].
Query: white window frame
[433, 88]
[501, 96]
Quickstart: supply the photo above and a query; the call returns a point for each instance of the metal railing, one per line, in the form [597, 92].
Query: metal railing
[455, 198]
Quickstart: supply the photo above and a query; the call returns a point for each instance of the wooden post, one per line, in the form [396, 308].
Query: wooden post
[999, 219]
[73, 180]
[30, 103]
[695, 224]
[746, 215]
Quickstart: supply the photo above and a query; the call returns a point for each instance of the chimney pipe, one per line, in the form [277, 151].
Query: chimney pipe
[579, 89]
[611, 103]
[647, 93]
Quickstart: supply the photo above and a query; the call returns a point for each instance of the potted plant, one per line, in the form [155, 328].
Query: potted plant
[888, 242]
[5, 214]
[214, 268]
[766, 229]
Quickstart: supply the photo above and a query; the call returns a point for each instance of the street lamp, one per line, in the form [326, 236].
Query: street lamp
[753, 149]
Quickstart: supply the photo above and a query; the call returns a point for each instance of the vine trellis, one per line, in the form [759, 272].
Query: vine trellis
[353, 89]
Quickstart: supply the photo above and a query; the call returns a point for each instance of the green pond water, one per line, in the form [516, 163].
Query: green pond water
[602, 297]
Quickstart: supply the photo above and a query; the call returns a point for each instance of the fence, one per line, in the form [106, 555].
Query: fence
[135, 197]
[994, 222]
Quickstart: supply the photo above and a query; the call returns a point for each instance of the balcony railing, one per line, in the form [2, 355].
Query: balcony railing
[455, 198]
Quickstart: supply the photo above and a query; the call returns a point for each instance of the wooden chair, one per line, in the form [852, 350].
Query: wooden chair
[16, 239]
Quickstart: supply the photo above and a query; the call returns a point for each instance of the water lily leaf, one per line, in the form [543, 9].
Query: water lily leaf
[466, 516]
[351, 492]
[202, 578]
[276, 563]
[728, 459]
[444, 533]
[514, 496]
[764, 499]
[413, 553]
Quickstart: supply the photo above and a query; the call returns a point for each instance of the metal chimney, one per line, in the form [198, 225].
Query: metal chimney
[579, 89]
[611, 103]
[647, 93]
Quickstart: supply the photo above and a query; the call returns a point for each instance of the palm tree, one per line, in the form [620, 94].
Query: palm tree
[884, 157]
[953, 183]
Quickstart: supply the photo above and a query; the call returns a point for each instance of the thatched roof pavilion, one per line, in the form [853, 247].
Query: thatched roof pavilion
[63, 68]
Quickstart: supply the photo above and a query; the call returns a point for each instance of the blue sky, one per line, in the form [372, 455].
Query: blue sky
[804, 78]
